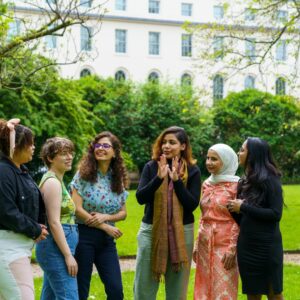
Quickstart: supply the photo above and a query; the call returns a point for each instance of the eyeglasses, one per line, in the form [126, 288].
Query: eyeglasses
[104, 146]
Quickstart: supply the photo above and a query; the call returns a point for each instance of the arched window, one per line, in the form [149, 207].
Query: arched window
[120, 75]
[186, 79]
[153, 77]
[218, 87]
[85, 72]
[280, 85]
[249, 82]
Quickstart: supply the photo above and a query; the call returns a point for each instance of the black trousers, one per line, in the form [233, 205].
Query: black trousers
[97, 247]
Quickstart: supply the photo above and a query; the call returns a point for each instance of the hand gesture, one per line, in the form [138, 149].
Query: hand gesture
[173, 173]
[112, 231]
[96, 219]
[43, 234]
[71, 265]
[163, 167]
[234, 205]
[228, 261]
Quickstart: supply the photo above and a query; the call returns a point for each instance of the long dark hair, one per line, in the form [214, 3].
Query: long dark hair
[259, 167]
[88, 165]
[182, 137]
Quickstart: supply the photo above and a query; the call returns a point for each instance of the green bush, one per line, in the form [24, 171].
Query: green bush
[273, 118]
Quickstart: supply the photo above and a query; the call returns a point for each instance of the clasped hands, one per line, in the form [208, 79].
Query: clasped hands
[98, 220]
[164, 169]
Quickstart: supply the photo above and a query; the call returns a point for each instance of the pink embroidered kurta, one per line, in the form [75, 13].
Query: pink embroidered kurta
[217, 235]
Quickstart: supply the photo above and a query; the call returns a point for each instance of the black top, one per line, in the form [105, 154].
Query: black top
[21, 204]
[188, 196]
[259, 247]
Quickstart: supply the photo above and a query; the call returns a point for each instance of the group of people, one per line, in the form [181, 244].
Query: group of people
[75, 228]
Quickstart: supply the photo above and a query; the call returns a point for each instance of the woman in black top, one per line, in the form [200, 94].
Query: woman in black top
[259, 208]
[170, 190]
[21, 212]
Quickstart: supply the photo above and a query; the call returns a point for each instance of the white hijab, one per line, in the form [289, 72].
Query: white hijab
[230, 164]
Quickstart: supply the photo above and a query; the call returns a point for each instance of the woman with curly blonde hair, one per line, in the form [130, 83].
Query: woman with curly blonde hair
[98, 190]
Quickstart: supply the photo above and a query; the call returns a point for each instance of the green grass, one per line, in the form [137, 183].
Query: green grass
[291, 286]
[290, 228]
[290, 225]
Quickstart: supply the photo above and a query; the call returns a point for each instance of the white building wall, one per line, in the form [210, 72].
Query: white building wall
[136, 62]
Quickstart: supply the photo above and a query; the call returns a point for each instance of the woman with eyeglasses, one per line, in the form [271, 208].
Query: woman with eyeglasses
[56, 254]
[98, 190]
[170, 190]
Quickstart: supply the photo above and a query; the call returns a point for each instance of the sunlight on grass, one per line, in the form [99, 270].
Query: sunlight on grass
[291, 286]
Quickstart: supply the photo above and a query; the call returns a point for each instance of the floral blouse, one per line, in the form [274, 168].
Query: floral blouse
[98, 196]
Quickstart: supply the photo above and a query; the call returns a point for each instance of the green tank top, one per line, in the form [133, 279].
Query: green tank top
[67, 212]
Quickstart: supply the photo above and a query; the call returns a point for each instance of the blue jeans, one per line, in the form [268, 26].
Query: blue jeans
[57, 283]
[95, 246]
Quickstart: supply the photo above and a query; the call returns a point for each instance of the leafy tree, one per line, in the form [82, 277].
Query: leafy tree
[248, 37]
[59, 110]
[138, 113]
[52, 18]
[273, 118]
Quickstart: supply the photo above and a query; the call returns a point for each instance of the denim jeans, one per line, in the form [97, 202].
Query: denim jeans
[57, 283]
[95, 246]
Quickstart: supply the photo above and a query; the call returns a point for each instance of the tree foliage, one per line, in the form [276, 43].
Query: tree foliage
[21, 36]
[138, 113]
[248, 37]
[273, 118]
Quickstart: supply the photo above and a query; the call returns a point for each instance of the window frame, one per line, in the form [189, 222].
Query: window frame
[218, 92]
[186, 45]
[153, 6]
[120, 41]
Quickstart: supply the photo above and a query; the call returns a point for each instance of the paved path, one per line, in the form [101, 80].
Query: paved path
[129, 264]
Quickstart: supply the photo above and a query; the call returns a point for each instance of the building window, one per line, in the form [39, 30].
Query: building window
[121, 38]
[85, 72]
[218, 12]
[186, 79]
[186, 9]
[153, 6]
[249, 14]
[153, 77]
[249, 82]
[51, 41]
[281, 53]
[281, 15]
[218, 87]
[186, 45]
[120, 4]
[218, 46]
[86, 38]
[154, 38]
[86, 3]
[14, 29]
[280, 86]
[250, 49]
[120, 75]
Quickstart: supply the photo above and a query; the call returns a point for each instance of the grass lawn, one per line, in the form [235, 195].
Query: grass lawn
[290, 228]
[291, 287]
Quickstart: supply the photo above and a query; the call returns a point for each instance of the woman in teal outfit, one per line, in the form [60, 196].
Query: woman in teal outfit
[98, 190]
[55, 254]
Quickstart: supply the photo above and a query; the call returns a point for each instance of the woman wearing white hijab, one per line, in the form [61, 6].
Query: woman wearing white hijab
[215, 248]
